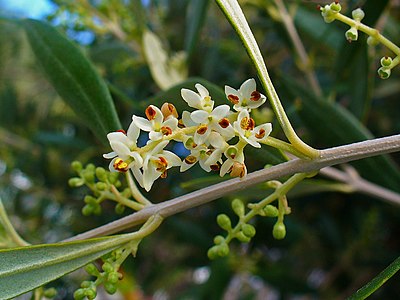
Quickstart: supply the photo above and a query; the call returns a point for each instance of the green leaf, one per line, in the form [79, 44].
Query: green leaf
[195, 19]
[332, 124]
[73, 77]
[24, 269]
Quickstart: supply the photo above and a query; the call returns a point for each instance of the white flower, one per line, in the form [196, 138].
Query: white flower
[245, 127]
[155, 164]
[200, 100]
[208, 156]
[247, 97]
[214, 120]
[124, 145]
[154, 124]
[234, 163]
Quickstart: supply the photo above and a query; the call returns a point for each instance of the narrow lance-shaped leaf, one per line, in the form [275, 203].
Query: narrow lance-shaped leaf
[24, 269]
[73, 77]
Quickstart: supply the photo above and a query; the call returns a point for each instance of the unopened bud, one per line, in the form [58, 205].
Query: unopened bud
[248, 230]
[386, 61]
[238, 170]
[238, 207]
[76, 166]
[101, 173]
[169, 110]
[271, 211]
[219, 239]
[279, 231]
[242, 237]
[75, 182]
[224, 222]
[335, 7]
[371, 41]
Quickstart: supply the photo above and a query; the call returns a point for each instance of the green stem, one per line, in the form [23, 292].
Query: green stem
[370, 31]
[136, 194]
[116, 196]
[281, 145]
[234, 14]
[11, 232]
[377, 282]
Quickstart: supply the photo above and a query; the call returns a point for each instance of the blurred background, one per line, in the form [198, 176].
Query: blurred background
[337, 239]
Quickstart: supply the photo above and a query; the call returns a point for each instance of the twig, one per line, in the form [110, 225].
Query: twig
[328, 157]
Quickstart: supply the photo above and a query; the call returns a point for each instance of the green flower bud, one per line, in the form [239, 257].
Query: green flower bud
[90, 200]
[384, 72]
[92, 270]
[327, 14]
[224, 222]
[351, 34]
[107, 267]
[371, 41]
[113, 277]
[90, 293]
[242, 237]
[219, 239]
[113, 177]
[87, 210]
[101, 186]
[279, 231]
[76, 182]
[238, 207]
[386, 61]
[126, 193]
[248, 230]
[119, 208]
[110, 288]
[50, 293]
[223, 249]
[117, 183]
[271, 211]
[101, 174]
[97, 209]
[212, 252]
[76, 166]
[88, 176]
[358, 14]
[79, 294]
[90, 167]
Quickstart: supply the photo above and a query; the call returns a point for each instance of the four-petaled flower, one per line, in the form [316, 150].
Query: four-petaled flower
[245, 127]
[124, 145]
[247, 97]
[200, 100]
[155, 123]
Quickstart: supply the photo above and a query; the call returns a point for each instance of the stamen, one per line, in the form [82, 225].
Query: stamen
[190, 160]
[161, 164]
[121, 130]
[247, 123]
[260, 134]
[233, 98]
[168, 110]
[150, 113]
[215, 167]
[202, 129]
[165, 130]
[255, 96]
[224, 123]
[120, 165]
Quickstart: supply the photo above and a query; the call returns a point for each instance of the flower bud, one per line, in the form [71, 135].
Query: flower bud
[107, 267]
[87, 210]
[238, 170]
[224, 222]
[92, 270]
[50, 293]
[101, 174]
[113, 177]
[101, 186]
[271, 211]
[97, 209]
[76, 166]
[75, 182]
[113, 277]
[212, 253]
[86, 284]
[358, 14]
[90, 294]
[119, 208]
[79, 294]
[248, 230]
[90, 200]
[219, 239]
[335, 7]
[169, 110]
[386, 61]
[238, 207]
[279, 231]
[352, 34]
[111, 288]
[223, 249]
[242, 237]
[384, 72]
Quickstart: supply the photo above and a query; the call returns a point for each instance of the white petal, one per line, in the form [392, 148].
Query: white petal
[187, 120]
[191, 98]
[231, 91]
[155, 136]
[158, 118]
[199, 116]
[157, 149]
[247, 88]
[121, 149]
[142, 123]
[172, 159]
[201, 138]
[171, 123]
[204, 166]
[267, 127]
[214, 157]
[110, 155]
[202, 90]
[133, 132]
[138, 175]
[118, 137]
[220, 111]
[149, 176]
[137, 159]
[225, 167]
[227, 132]
[255, 104]
[252, 141]
[217, 141]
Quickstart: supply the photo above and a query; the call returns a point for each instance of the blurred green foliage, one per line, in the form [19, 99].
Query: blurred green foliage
[335, 241]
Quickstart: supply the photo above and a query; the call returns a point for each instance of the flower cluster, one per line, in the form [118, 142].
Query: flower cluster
[205, 132]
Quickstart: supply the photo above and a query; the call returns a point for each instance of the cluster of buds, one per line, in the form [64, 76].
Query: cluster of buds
[205, 132]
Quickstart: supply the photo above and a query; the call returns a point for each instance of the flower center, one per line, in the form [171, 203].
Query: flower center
[247, 123]
[150, 113]
[202, 129]
[255, 96]
[120, 165]
[165, 130]
[223, 122]
[190, 160]
[233, 98]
